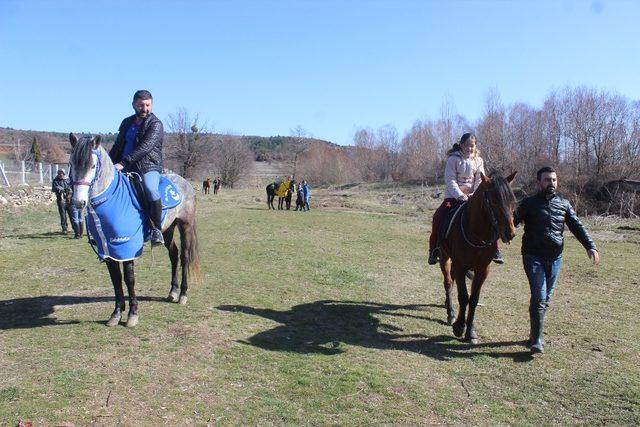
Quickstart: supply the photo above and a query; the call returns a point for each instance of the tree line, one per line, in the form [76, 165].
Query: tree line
[591, 136]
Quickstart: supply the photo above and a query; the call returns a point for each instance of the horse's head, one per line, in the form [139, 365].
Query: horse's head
[85, 162]
[498, 203]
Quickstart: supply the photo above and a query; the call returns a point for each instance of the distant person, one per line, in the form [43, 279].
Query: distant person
[216, 185]
[75, 213]
[306, 191]
[462, 179]
[61, 187]
[544, 215]
[299, 198]
[138, 148]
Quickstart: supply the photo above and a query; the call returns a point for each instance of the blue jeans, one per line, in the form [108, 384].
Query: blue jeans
[151, 181]
[76, 214]
[543, 276]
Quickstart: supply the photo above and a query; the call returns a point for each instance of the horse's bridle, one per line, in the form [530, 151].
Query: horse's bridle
[95, 177]
[495, 235]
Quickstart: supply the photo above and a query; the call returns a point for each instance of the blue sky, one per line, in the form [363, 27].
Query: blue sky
[265, 67]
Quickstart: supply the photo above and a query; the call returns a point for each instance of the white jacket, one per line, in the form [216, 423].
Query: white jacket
[462, 175]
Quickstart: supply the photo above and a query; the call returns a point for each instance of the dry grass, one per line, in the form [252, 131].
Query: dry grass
[325, 317]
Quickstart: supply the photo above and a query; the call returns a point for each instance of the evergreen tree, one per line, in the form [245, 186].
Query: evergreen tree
[36, 154]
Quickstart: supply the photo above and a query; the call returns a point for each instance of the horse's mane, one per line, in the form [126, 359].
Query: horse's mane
[81, 155]
[504, 194]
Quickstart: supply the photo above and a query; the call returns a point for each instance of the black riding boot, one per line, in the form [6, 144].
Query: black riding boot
[538, 310]
[80, 226]
[74, 226]
[155, 214]
[434, 255]
[497, 258]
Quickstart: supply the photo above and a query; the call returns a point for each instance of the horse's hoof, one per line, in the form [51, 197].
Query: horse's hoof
[173, 296]
[132, 320]
[114, 320]
[458, 329]
[471, 336]
[183, 300]
[450, 320]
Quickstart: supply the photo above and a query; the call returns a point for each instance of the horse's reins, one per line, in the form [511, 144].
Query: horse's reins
[494, 225]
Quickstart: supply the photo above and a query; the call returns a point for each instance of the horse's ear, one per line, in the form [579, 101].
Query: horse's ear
[511, 177]
[96, 141]
[73, 139]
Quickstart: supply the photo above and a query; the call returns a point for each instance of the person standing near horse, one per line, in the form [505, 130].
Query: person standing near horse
[216, 185]
[306, 191]
[462, 177]
[75, 213]
[138, 148]
[544, 215]
[62, 189]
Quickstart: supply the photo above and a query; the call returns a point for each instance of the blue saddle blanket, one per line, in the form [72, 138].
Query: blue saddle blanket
[117, 223]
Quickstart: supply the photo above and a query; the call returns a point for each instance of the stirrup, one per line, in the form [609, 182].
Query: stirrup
[156, 237]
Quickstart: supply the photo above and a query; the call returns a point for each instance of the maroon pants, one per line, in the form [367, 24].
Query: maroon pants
[440, 213]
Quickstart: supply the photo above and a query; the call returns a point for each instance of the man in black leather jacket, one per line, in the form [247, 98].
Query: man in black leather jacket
[62, 188]
[138, 148]
[545, 215]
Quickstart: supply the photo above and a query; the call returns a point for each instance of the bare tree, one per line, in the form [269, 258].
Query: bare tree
[189, 147]
[300, 144]
[233, 160]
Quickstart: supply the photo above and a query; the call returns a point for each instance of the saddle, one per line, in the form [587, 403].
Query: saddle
[169, 194]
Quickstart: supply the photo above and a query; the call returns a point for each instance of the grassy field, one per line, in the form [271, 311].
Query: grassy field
[325, 317]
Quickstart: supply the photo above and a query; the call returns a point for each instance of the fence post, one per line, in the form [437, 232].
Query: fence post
[40, 172]
[23, 173]
[4, 176]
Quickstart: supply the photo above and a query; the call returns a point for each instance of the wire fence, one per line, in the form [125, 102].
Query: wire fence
[13, 173]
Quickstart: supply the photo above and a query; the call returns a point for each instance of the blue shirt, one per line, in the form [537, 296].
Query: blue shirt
[130, 140]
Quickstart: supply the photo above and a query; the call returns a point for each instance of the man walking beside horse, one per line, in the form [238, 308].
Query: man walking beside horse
[545, 215]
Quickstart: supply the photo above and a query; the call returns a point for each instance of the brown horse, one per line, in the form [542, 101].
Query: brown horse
[206, 185]
[471, 244]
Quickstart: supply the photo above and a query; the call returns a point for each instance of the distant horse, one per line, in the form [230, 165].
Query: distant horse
[271, 194]
[206, 185]
[471, 244]
[282, 190]
[99, 186]
[216, 185]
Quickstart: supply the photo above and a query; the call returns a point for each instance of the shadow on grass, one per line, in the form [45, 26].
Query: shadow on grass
[35, 312]
[321, 327]
[48, 235]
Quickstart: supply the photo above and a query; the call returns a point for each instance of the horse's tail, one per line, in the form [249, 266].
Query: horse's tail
[193, 253]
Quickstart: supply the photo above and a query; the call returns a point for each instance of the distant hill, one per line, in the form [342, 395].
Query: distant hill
[265, 148]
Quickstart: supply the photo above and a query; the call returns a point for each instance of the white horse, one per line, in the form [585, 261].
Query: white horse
[95, 179]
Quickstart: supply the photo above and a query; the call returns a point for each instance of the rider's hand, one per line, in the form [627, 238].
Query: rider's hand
[118, 166]
[594, 255]
[463, 198]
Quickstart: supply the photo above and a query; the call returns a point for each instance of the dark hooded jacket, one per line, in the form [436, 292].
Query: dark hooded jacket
[544, 220]
[147, 152]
